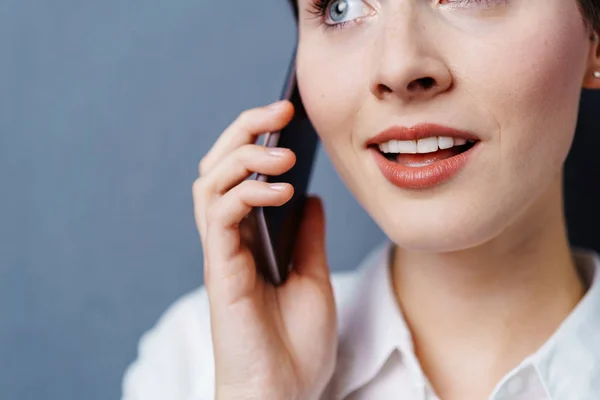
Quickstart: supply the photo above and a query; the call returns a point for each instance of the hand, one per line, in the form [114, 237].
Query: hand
[269, 342]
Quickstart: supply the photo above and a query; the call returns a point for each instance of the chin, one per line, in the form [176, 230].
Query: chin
[441, 233]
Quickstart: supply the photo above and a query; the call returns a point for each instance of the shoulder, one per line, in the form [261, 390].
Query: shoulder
[175, 357]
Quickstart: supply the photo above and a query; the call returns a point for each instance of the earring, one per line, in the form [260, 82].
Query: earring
[597, 74]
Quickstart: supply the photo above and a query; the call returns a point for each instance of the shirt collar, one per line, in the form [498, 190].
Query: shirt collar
[568, 364]
[372, 327]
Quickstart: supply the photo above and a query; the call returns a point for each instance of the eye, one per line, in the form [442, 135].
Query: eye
[342, 11]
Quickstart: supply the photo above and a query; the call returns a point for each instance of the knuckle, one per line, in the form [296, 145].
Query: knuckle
[201, 196]
[202, 166]
[201, 227]
[198, 187]
[246, 117]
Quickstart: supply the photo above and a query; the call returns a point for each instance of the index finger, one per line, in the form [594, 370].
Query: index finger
[246, 128]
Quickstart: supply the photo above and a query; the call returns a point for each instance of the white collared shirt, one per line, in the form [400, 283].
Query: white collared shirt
[376, 359]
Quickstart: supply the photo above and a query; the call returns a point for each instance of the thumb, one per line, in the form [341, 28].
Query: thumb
[310, 258]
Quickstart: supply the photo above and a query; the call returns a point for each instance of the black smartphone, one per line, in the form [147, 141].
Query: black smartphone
[270, 232]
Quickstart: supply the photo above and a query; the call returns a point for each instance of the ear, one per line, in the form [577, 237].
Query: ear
[592, 75]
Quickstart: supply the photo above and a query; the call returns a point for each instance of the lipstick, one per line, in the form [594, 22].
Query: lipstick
[425, 170]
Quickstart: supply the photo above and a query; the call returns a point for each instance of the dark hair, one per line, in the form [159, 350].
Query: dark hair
[294, 6]
[590, 10]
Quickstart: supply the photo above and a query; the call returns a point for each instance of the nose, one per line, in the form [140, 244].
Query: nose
[407, 63]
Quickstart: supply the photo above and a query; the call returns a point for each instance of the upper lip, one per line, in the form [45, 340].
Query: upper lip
[420, 131]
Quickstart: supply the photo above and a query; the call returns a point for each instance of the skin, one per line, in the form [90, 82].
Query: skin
[479, 260]
[468, 292]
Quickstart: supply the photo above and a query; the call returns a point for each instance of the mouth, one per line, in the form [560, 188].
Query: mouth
[423, 152]
[423, 156]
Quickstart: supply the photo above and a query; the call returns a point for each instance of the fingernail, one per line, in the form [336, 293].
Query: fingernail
[278, 187]
[277, 151]
[277, 106]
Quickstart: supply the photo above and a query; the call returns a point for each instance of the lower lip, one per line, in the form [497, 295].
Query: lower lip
[423, 177]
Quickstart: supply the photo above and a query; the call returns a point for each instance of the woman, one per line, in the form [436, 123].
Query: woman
[450, 121]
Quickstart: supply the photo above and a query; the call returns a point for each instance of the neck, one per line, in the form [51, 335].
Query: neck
[489, 307]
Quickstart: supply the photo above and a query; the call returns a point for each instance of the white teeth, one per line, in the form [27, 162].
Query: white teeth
[427, 145]
[445, 142]
[417, 165]
[407, 146]
[385, 147]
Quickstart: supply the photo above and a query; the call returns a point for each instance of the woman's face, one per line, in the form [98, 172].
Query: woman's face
[509, 71]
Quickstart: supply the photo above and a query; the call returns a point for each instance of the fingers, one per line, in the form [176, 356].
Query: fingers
[246, 160]
[231, 171]
[223, 196]
[245, 129]
[309, 257]
[228, 211]
[223, 255]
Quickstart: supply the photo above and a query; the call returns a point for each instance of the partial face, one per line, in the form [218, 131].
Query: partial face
[510, 72]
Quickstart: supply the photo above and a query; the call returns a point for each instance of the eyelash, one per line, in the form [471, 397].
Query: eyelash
[318, 8]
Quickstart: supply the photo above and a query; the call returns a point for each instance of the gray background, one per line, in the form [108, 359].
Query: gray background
[106, 107]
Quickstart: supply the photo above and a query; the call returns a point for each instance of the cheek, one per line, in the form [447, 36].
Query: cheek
[332, 92]
[529, 80]
[542, 109]
[542, 79]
